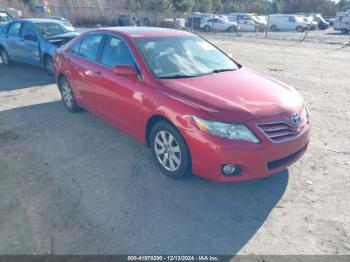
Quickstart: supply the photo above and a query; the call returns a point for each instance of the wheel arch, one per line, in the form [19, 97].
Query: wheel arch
[45, 54]
[151, 121]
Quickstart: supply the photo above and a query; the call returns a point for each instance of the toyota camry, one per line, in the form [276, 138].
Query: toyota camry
[197, 109]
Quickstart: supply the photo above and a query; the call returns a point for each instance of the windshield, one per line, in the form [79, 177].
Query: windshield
[181, 57]
[4, 18]
[52, 29]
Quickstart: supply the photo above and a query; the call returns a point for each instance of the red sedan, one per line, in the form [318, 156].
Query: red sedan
[197, 109]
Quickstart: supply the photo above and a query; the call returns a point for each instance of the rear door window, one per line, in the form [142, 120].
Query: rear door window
[89, 46]
[75, 48]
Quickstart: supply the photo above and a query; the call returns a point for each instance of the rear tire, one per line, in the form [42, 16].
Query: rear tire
[6, 60]
[344, 31]
[170, 151]
[231, 29]
[273, 28]
[207, 28]
[68, 97]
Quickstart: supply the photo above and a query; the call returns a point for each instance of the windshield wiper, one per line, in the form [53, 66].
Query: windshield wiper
[175, 76]
[222, 70]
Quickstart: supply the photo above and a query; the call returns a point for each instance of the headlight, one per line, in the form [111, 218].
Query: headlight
[232, 131]
[305, 114]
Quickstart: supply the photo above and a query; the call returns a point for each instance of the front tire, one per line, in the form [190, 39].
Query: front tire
[6, 60]
[344, 31]
[170, 150]
[273, 28]
[300, 29]
[207, 28]
[68, 97]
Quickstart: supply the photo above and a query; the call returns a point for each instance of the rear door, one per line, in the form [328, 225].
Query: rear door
[14, 40]
[83, 69]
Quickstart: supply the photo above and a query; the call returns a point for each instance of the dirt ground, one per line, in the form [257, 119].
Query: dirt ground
[72, 184]
[329, 36]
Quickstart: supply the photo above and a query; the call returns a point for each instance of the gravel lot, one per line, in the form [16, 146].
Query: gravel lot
[329, 36]
[72, 184]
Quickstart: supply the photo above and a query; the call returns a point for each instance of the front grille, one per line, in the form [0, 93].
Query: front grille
[279, 132]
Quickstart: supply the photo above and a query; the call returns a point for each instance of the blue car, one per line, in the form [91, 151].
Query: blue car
[33, 41]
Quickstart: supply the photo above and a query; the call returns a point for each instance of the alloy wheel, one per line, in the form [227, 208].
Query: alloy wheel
[67, 94]
[167, 150]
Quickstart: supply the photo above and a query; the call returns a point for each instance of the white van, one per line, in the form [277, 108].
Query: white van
[342, 22]
[287, 22]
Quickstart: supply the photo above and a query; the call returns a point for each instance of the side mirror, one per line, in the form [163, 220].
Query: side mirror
[29, 38]
[125, 70]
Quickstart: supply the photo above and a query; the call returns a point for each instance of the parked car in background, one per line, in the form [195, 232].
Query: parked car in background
[197, 110]
[313, 25]
[126, 20]
[330, 20]
[195, 22]
[205, 15]
[145, 21]
[250, 26]
[5, 17]
[262, 19]
[33, 41]
[61, 19]
[322, 24]
[235, 17]
[342, 22]
[284, 22]
[218, 24]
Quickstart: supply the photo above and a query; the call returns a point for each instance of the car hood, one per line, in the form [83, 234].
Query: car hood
[61, 38]
[239, 95]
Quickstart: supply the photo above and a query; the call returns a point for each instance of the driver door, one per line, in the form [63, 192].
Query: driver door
[118, 98]
[220, 25]
[30, 52]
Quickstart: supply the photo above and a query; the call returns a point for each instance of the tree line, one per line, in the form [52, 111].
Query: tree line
[327, 8]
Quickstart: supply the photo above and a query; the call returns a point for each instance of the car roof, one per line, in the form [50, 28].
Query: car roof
[39, 20]
[143, 31]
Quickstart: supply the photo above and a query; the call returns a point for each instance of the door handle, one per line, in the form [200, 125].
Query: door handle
[98, 74]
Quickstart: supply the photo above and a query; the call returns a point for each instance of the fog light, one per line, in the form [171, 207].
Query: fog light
[228, 169]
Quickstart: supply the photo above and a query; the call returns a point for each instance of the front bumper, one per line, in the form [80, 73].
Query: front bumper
[209, 153]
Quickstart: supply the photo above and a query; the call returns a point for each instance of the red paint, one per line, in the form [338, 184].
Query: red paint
[239, 96]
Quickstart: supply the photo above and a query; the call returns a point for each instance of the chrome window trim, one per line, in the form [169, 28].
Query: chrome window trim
[140, 75]
[104, 36]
